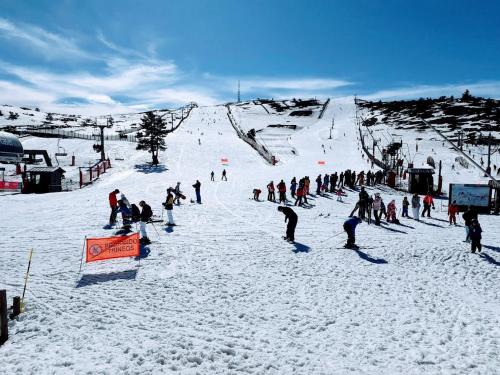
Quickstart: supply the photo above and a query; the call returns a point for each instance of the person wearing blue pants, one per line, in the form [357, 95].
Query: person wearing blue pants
[350, 228]
[197, 186]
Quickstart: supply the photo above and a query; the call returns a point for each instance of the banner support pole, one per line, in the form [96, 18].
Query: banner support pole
[81, 259]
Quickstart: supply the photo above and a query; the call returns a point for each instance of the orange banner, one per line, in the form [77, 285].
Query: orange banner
[112, 247]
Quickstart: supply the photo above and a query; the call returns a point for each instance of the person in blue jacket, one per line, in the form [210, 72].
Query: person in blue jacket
[293, 187]
[475, 236]
[350, 228]
[126, 214]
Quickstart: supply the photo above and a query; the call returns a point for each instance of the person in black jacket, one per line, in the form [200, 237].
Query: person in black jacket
[197, 187]
[145, 216]
[292, 219]
[469, 216]
[475, 236]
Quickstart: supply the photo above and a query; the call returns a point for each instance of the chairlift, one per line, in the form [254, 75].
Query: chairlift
[59, 153]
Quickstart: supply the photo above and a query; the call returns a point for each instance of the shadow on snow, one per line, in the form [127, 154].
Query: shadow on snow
[489, 259]
[149, 168]
[301, 248]
[99, 278]
[368, 258]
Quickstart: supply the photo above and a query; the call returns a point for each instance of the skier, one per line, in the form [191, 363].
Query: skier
[178, 193]
[307, 183]
[341, 179]
[169, 206]
[113, 204]
[125, 200]
[369, 207]
[415, 206]
[256, 193]
[291, 217]
[136, 213]
[326, 183]
[300, 195]
[428, 202]
[224, 176]
[377, 206]
[468, 217]
[319, 181]
[350, 228]
[293, 187]
[212, 176]
[452, 212]
[146, 215]
[406, 204]
[197, 187]
[271, 197]
[363, 201]
[475, 236]
[333, 182]
[126, 214]
[391, 212]
[282, 190]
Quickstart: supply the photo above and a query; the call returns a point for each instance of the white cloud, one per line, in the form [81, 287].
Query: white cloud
[46, 43]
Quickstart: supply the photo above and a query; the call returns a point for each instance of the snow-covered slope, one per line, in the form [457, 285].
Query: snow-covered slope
[221, 293]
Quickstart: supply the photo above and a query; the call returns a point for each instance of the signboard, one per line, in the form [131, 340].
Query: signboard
[321, 162]
[10, 185]
[476, 195]
[112, 247]
[224, 160]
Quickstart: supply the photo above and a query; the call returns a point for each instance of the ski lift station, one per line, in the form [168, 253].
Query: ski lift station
[11, 149]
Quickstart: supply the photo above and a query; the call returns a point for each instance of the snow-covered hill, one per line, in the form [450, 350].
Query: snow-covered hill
[222, 293]
[472, 121]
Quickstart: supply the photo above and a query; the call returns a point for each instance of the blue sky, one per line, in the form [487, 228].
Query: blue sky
[119, 56]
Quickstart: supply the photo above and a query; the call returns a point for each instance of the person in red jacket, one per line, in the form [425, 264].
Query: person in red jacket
[270, 192]
[428, 202]
[113, 204]
[282, 190]
[452, 212]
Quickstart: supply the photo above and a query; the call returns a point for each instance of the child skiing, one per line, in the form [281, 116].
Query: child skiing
[452, 212]
[475, 236]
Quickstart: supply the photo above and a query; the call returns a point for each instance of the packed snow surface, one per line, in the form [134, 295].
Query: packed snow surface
[222, 293]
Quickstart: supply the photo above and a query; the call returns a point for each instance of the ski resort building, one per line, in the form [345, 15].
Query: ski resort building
[11, 150]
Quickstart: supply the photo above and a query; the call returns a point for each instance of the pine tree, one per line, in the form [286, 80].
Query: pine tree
[466, 96]
[152, 135]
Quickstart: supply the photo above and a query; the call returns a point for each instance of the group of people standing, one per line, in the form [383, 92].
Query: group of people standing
[130, 214]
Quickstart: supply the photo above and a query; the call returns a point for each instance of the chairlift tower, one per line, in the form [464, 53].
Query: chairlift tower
[101, 129]
[331, 128]
[239, 92]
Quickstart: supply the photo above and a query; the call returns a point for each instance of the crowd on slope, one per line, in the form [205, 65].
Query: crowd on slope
[371, 209]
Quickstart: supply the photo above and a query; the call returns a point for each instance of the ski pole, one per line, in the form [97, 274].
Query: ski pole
[335, 235]
[26, 279]
[156, 230]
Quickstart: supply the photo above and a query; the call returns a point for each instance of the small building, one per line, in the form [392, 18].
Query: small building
[11, 149]
[420, 180]
[43, 180]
